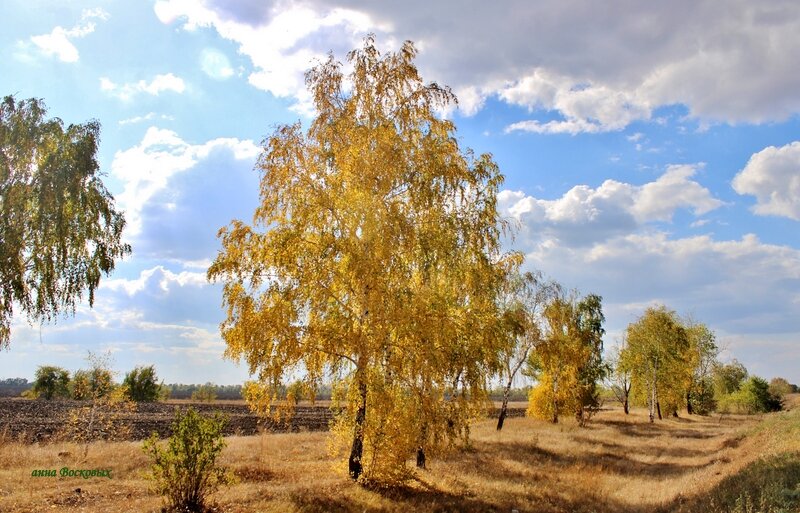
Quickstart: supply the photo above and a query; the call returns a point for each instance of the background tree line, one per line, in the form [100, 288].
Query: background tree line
[140, 385]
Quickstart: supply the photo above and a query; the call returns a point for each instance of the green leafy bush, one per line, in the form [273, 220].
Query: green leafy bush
[143, 385]
[51, 382]
[754, 396]
[185, 472]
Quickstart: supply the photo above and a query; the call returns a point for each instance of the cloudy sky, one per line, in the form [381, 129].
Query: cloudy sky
[651, 150]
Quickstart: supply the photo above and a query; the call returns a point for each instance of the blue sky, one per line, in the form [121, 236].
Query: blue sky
[651, 152]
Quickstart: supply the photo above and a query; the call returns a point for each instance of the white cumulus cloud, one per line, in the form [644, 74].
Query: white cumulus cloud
[773, 176]
[585, 107]
[585, 215]
[146, 168]
[579, 66]
[156, 279]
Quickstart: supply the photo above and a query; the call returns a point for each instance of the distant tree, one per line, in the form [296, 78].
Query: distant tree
[728, 378]
[59, 230]
[79, 386]
[657, 355]
[51, 382]
[752, 397]
[594, 369]
[13, 387]
[523, 300]
[14, 382]
[567, 362]
[142, 384]
[164, 392]
[90, 384]
[765, 400]
[106, 415]
[780, 387]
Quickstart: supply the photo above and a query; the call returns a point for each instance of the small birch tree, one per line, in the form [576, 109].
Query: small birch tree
[620, 377]
[657, 355]
[567, 363]
[523, 300]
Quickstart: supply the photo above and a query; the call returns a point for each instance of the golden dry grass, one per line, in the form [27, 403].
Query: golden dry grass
[618, 463]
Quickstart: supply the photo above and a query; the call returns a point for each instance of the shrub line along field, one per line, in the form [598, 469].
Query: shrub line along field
[617, 464]
[33, 421]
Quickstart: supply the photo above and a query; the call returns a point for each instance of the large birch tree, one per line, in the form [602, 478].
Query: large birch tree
[374, 258]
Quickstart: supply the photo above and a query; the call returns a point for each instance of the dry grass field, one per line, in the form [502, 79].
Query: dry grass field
[618, 463]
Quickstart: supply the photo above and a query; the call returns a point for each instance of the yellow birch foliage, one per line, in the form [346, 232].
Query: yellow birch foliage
[374, 258]
[557, 362]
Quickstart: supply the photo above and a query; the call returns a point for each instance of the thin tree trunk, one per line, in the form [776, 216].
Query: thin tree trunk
[355, 464]
[658, 407]
[689, 408]
[504, 408]
[653, 399]
[421, 447]
[555, 411]
[580, 418]
[625, 407]
[421, 457]
[555, 401]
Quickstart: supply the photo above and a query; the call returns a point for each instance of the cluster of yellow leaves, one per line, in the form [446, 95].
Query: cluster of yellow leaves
[558, 361]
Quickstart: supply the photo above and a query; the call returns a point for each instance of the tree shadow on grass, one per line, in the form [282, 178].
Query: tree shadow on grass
[619, 463]
[416, 496]
[420, 496]
[674, 451]
[634, 429]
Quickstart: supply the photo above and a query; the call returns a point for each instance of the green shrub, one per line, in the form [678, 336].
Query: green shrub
[763, 398]
[51, 382]
[753, 397]
[185, 471]
[728, 378]
[143, 385]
